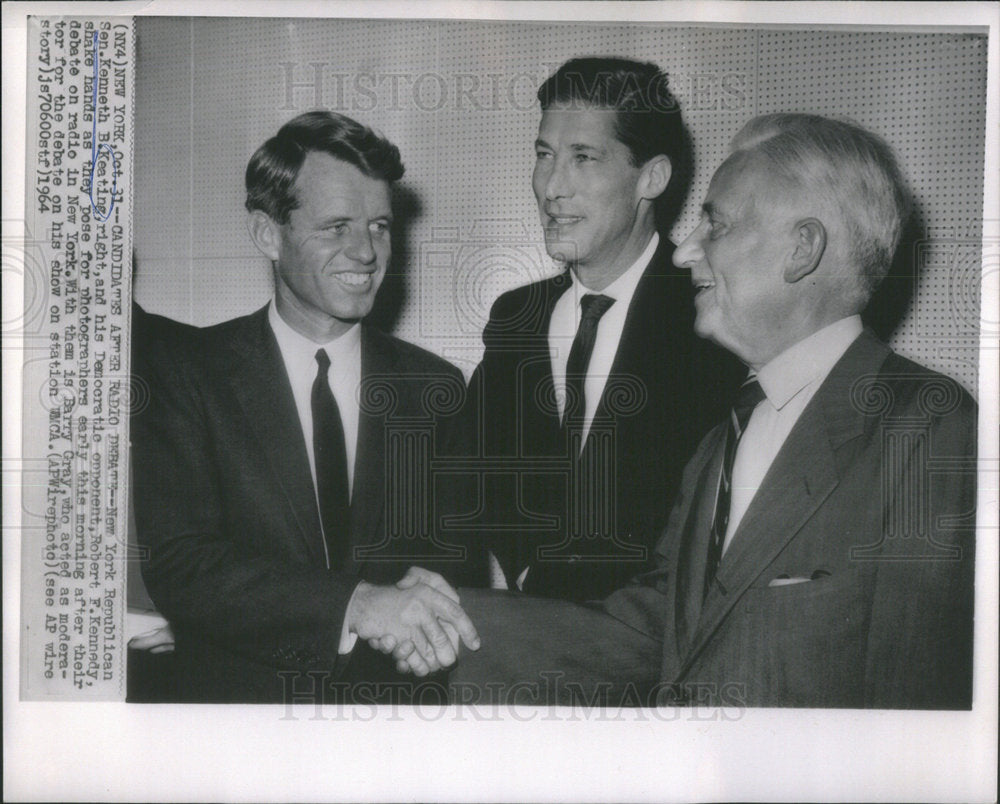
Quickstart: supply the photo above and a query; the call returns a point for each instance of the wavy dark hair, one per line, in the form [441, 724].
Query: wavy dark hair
[274, 167]
[647, 115]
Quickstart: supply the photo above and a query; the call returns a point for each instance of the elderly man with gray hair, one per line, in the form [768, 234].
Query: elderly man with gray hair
[820, 552]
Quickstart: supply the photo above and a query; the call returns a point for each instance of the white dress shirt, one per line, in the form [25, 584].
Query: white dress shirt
[566, 319]
[790, 380]
[299, 356]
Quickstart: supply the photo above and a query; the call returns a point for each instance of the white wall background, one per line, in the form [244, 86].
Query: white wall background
[458, 99]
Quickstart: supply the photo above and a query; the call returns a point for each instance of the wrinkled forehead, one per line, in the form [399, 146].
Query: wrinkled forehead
[747, 181]
[741, 169]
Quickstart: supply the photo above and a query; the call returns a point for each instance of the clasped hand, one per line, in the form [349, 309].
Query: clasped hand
[418, 621]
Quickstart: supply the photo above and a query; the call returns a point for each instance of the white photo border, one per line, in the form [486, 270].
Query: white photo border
[118, 751]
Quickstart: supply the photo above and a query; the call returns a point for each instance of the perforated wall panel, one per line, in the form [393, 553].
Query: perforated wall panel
[458, 99]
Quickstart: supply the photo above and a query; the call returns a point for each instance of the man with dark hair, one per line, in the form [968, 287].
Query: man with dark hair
[593, 390]
[261, 462]
[273, 170]
[821, 549]
[647, 116]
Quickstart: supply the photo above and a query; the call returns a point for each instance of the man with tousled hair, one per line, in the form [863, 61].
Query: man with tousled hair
[261, 464]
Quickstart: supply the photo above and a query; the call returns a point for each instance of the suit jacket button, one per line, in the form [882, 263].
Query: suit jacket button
[678, 695]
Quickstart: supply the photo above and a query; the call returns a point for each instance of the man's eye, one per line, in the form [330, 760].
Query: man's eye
[542, 155]
[336, 228]
[584, 158]
[379, 227]
[716, 229]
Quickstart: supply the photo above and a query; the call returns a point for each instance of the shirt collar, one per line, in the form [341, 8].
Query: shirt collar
[807, 361]
[298, 350]
[623, 288]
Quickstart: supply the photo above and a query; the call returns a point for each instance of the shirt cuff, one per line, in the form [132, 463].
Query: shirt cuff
[347, 638]
[522, 576]
[498, 580]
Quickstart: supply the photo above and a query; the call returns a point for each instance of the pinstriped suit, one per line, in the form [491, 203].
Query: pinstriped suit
[872, 497]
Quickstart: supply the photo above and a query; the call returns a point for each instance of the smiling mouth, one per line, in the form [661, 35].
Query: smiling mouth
[704, 284]
[353, 278]
[563, 220]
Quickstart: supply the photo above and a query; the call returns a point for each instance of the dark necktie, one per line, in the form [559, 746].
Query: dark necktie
[554, 577]
[750, 394]
[330, 452]
[593, 306]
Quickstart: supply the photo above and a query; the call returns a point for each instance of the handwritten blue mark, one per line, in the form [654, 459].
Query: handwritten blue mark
[95, 152]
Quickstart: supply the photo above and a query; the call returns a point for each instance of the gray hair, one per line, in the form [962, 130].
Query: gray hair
[852, 168]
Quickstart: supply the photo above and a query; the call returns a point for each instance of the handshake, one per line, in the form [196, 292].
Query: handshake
[418, 621]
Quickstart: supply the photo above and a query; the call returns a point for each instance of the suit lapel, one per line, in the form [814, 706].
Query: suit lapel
[800, 479]
[803, 475]
[260, 384]
[692, 547]
[367, 501]
[539, 423]
[554, 289]
[651, 303]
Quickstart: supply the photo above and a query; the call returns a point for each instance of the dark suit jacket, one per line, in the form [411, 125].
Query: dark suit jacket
[147, 328]
[146, 331]
[872, 498]
[666, 388]
[226, 506]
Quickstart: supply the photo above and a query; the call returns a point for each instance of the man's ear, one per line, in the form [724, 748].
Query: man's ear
[264, 233]
[655, 177]
[810, 243]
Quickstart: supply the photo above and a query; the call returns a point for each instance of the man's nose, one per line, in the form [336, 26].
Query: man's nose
[689, 252]
[362, 249]
[557, 183]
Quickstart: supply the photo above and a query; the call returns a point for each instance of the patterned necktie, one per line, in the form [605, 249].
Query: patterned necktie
[330, 452]
[593, 306]
[750, 394]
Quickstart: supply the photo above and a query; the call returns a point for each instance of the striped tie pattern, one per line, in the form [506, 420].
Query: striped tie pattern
[749, 396]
